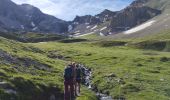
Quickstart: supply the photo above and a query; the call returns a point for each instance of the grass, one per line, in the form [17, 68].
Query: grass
[134, 69]
[139, 72]
[86, 95]
[32, 75]
[32, 37]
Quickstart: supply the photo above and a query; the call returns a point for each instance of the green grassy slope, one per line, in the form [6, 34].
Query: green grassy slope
[159, 4]
[134, 72]
[32, 37]
[29, 71]
[32, 73]
[135, 69]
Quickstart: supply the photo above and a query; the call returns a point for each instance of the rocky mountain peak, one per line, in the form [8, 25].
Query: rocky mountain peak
[28, 7]
[27, 18]
[106, 11]
[138, 2]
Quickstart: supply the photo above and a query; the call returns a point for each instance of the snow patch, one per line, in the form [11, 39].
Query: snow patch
[104, 19]
[94, 27]
[84, 34]
[95, 30]
[87, 26]
[106, 15]
[22, 26]
[35, 28]
[32, 24]
[97, 17]
[77, 34]
[110, 33]
[77, 31]
[101, 34]
[103, 28]
[76, 23]
[87, 23]
[70, 27]
[140, 27]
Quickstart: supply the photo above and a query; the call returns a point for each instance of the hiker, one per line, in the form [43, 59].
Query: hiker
[78, 78]
[69, 82]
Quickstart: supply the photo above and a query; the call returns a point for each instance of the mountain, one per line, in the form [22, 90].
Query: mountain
[163, 5]
[25, 17]
[108, 22]
[91, 24]
[154, 26]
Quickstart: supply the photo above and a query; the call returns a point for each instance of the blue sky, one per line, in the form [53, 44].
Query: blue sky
[68, 9]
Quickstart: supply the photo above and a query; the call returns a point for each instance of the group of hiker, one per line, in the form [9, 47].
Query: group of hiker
[74, 75]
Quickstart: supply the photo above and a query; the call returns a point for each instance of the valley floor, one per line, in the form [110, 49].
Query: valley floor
[120, 71]
[123, 69]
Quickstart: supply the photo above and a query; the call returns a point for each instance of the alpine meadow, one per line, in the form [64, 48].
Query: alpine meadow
[125, 54]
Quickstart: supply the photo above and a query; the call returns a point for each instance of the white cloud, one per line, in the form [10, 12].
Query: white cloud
[68, 9]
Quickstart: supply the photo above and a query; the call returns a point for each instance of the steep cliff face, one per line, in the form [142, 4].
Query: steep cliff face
[132, 16]
[156, 25]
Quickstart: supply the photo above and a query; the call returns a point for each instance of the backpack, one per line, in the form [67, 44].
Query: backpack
[78, 72]
[68, 73]
[83, 71]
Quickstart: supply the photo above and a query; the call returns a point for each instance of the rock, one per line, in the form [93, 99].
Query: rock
[4, 85]
[112, 75]
[162, 79]
[10, 91]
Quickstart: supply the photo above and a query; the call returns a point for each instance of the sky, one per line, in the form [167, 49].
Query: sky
[69, 9]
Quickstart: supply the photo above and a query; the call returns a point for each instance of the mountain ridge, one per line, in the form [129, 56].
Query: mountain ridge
[105, 23]
[114, 22]
[26, 17]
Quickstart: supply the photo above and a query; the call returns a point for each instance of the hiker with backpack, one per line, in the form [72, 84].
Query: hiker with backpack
[69, 82]
[79, 75]
[74, 78]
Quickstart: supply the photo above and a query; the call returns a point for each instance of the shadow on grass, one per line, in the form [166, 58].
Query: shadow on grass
[110, 43]
[72, 40]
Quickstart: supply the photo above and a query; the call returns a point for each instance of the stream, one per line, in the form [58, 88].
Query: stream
[87, 82]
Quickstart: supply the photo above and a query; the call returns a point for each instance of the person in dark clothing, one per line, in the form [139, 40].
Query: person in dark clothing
[74, 78]
[78, 78]
[68, 82]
